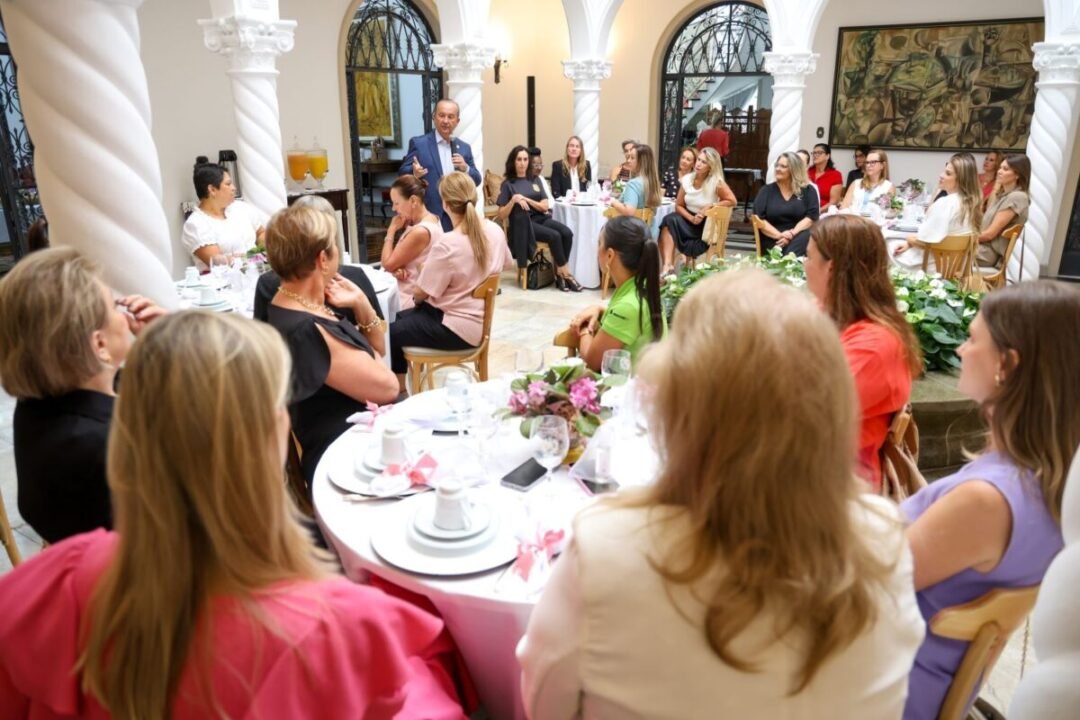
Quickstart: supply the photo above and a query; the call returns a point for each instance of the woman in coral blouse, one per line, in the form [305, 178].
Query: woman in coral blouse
[847, 270]
[209, 600]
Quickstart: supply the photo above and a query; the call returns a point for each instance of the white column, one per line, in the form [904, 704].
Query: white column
[251, 44]
[1053, 129]
[86, 105]
[789, 71]
[464, 63]
[587, 75]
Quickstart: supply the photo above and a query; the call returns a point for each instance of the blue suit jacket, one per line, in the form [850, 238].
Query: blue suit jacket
[424, 149]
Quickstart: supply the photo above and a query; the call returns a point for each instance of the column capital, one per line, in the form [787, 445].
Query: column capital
[790, 68]
[586, 70]
[251, 45]
[464, 61]
[1057, 63]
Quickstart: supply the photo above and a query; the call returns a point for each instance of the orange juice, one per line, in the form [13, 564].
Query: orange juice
[318, 163]
[298, 165]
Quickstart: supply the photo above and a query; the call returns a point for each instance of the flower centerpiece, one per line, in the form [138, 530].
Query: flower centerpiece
[891, 204]
[571, 391]
[617, 188]
[911, 189]
[257, 255]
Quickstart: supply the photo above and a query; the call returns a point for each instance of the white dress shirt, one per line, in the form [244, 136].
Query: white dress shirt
[445, 153]
[547, 190]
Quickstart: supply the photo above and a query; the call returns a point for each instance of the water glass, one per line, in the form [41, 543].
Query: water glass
[615, 362]
[550, 436]
[219, 265]
[528, 360]
[457, 395]
[483, 426]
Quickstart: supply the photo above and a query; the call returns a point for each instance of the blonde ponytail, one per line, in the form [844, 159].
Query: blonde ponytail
[459, 193]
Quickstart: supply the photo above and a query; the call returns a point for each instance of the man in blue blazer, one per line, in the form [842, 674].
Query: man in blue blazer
[439, 153]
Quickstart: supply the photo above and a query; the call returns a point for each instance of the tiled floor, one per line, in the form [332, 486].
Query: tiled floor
[523, 319]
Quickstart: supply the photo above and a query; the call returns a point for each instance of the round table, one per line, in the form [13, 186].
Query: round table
[586, 221]
[486, 623]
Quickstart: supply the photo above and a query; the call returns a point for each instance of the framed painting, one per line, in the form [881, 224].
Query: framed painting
[378, 110]
[947, 86]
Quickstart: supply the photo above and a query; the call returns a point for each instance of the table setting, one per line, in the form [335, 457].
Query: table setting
[466, 495]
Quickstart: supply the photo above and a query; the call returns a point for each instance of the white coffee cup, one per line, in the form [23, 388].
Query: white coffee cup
[191, 275]
[451, 506]
[393, 445]
[208, 296]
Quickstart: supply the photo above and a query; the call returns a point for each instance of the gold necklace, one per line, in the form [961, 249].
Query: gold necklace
[307, 305]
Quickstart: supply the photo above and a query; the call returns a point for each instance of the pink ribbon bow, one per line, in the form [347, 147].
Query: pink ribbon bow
[419, 473]
[546, 543]
[367, 418]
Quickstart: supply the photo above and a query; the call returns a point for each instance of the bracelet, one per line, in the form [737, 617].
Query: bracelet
[376, 322]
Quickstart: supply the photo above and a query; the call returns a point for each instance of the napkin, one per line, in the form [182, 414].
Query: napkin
[397, 478]
[365, 421]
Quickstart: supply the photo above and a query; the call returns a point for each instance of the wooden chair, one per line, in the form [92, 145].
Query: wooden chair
[294, 478]
[986, 623]
[995, 278]
[424, 362]
[645, 215]
[720, 218]
[7, 536]
[954, 256]
[899, 458]
[568, 339]
[757, 223]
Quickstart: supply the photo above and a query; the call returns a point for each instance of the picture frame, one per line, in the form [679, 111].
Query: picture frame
[378, 109]
[936, 86]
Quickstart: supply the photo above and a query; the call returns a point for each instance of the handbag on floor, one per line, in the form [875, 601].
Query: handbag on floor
[539, 273]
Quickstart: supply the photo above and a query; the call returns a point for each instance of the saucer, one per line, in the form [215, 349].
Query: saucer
[899, 227]
[578, 203]
[424, 520]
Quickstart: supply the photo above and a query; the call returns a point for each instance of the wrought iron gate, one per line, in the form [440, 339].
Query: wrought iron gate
[18, 188]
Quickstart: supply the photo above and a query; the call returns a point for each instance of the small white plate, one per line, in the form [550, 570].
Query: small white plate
[583, 204]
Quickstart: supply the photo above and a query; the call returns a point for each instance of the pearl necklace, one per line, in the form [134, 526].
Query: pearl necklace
[307, 305]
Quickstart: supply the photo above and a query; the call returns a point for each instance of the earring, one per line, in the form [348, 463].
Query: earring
[998, 379]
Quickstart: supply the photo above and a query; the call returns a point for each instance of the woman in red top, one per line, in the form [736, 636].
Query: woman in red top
[823, 173]
[847, 270]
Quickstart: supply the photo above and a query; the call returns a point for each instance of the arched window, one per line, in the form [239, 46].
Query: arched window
[714, 69]
[18, 188]
[392, 86]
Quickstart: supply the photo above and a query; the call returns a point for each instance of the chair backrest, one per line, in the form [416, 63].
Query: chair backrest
[486, 291]
[719, 220]
[568, 339]
[954, 256]
[645, 215]
[996, 280]
[899, 458]
[492, 185]
[757, 222]
[986, 623]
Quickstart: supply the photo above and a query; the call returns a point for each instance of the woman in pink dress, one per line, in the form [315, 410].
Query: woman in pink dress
[411, 234]
[209, 600]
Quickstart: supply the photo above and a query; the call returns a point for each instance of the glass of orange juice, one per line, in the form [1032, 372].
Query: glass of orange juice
[318, 163]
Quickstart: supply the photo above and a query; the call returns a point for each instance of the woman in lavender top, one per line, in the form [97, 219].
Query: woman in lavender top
[996, 523]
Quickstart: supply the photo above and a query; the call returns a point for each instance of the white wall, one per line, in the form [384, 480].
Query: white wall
[817, 105]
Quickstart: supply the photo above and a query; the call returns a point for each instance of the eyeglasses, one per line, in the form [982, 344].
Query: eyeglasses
[818, 152]
[873, 162]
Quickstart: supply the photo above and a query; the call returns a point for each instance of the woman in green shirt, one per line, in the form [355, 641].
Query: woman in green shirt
[634, 317]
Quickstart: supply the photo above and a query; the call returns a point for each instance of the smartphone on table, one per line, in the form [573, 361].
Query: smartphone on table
[524, 476]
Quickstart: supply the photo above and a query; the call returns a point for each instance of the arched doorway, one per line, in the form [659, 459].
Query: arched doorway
[18, 188]
[392, 86]
[714, 69]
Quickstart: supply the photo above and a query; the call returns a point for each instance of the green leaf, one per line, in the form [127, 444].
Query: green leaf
[519, 384]
[613, 381]
[586, 424]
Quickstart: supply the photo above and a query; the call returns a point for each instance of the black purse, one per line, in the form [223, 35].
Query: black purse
[539, 273]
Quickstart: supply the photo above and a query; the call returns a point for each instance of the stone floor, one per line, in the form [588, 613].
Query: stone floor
[523, 319]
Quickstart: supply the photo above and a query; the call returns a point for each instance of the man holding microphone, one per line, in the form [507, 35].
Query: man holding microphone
[439, 153]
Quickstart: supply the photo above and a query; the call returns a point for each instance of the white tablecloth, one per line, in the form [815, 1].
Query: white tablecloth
[586, 221]
[486, 624]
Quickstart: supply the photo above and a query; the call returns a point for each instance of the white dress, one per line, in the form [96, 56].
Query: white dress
[944, 217]
[234, 234]
[606, 639]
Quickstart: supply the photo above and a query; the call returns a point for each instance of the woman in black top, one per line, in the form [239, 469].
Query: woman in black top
[337, 365]
[672, 178]
[63, 338]
[788, 206]
[572, 166]
[523, 206]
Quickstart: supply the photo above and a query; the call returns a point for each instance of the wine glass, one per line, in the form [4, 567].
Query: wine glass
[615, 362]
[528, 360]
[483, 426]
[550, 436]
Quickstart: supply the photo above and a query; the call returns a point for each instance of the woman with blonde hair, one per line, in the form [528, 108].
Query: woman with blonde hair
[765, 583]
[873, 184]
[573, 172]
[209, 600]
[337, 358]
[699, 192]
[996, 522]
[957, 213]
[63, 338]
[446, 315]
[847, 271]
[788, 206]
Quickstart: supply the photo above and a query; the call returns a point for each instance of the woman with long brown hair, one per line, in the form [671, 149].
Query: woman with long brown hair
[1006, 206]
[573, 171]
[644, 189]
[411, 234]
[996, 523]
[754, 579]
[209, 600]
[847, 271]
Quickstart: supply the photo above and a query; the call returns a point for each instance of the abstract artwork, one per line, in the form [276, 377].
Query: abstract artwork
[956, 86]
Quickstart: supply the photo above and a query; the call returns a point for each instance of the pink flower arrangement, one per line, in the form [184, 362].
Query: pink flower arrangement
[570, 391]
[584, 395]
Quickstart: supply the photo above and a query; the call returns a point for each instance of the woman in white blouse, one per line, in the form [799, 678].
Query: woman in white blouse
[957, 213]
[755, 578]
[874, 183]
[698, 191]
[221, 224]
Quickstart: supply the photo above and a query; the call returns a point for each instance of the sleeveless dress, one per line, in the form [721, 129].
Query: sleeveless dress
[407, 286]
[1036, 539]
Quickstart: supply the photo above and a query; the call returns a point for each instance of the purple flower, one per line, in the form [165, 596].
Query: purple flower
[583, 393]
[519, 403]
[537, 392]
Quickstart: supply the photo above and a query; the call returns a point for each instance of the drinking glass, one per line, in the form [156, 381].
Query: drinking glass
[550, 436]
[219, 265]
[483, 426]
[615, 362]
[528, 360]
[457, 396]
